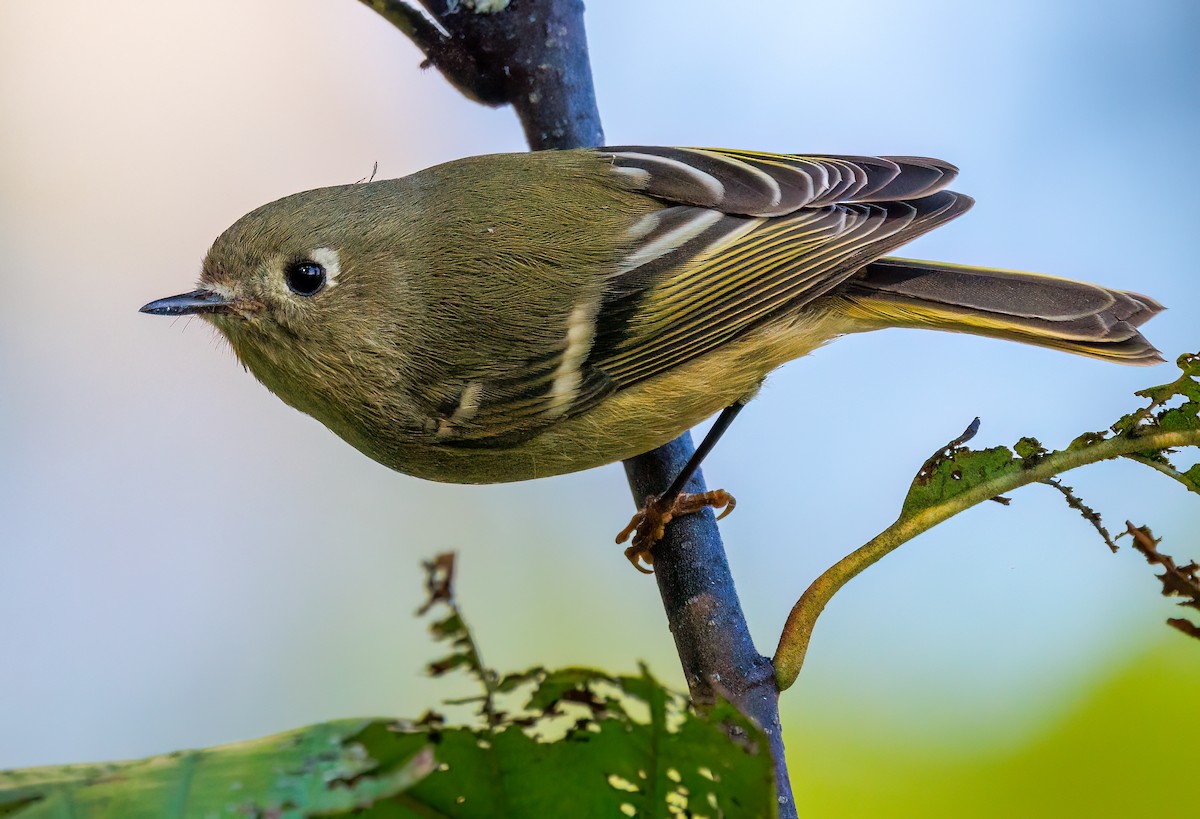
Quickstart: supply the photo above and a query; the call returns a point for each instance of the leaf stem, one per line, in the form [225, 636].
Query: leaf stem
[1166, 469]
[797, 631]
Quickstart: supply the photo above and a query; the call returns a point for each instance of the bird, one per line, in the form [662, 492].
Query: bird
[514, 316]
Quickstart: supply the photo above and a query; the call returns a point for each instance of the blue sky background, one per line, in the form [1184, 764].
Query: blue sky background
[188, 561]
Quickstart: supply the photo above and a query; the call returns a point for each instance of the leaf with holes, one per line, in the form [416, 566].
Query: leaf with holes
[324, 770]
[574, 742]
[595, 746]
[587, 744]
[962, 470]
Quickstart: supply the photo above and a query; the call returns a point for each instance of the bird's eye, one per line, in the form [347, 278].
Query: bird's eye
[304, 278]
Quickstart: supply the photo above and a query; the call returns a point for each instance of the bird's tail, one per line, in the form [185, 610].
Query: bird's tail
[1077, 317]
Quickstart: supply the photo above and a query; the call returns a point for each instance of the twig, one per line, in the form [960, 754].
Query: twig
[1089, 514]
[446, 53]
[948, 451]
[531, 55]
[1166, 469]
[1177, 581]
[439, 585]
[703, 611]
[793, 643]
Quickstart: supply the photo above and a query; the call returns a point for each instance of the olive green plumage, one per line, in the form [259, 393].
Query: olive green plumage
[515, 316]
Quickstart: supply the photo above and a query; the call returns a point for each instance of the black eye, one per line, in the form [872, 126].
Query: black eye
[304, 278]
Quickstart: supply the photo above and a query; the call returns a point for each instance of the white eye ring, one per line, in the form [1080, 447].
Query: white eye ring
[327, 257]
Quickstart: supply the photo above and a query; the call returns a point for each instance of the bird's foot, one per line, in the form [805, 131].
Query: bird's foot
[648, 525]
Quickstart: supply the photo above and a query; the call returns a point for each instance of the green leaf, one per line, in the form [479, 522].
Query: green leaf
[953, 475]
[318, 771]
[576, 742]
[586, 756]
[1192, 478]
[583, 756]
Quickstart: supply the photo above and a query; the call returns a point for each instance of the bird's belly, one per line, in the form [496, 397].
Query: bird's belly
[631, 421]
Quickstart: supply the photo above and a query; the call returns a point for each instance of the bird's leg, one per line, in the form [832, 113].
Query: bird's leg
[648, 525]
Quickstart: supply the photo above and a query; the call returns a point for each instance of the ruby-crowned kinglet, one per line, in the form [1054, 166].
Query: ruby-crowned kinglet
[522, 315]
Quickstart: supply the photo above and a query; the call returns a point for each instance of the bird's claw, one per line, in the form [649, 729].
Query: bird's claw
[650, 522]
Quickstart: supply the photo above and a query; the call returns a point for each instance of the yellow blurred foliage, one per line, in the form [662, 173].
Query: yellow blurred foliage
[1126, 749]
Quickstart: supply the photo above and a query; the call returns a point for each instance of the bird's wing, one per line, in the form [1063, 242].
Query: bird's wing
[742, 238]
[751, 236]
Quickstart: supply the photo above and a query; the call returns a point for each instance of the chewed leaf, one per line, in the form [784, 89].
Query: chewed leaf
[1180, 418]
[1174, 407]
[1185, 416]
[322, 770]
[628, 741]
[575, 742]
[953, 475]
[598, 743]
[1192, 478]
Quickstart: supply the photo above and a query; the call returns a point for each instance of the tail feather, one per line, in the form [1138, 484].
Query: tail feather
[1062, 314]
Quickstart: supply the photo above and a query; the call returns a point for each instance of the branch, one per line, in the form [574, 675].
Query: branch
[1008, 472]
[448, 55]
[1192, 484]
[1089, 514]
[1177, 581]
[533, 55]
[703, 611]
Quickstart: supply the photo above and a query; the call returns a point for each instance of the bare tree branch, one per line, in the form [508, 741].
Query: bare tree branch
[533, 55]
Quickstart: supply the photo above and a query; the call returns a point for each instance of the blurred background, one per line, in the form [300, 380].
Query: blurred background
[187, 561]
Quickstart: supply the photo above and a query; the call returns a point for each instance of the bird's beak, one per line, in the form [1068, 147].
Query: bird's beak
[198, 301]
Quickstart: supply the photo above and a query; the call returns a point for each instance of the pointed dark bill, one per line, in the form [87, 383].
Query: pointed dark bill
[198, 301]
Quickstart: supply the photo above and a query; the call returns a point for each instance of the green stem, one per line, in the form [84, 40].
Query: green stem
[1166, 469]
[797, 631]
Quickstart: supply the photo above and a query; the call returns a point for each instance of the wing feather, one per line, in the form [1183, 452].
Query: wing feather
[762, 184]
[768, 267]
